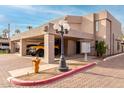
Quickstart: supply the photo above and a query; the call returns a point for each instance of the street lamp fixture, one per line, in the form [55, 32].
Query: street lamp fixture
[62, 27]
[122, 41]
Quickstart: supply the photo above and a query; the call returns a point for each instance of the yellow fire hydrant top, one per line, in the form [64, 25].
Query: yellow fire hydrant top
[36, 63]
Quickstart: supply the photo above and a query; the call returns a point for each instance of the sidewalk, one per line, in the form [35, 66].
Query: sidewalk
[69, 60]
[28, 70]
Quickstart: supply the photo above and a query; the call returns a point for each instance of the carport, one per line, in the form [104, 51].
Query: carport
[30, 36]
[48, 35]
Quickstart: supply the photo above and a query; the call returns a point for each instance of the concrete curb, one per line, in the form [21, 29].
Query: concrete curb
[46, 81]
[107, 58]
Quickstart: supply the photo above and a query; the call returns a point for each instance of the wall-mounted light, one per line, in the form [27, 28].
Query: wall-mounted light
[104, 36]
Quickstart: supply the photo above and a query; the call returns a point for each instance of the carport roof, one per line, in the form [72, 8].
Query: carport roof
[4, 40]
[39, 31]
[34, 32]
[28, 34]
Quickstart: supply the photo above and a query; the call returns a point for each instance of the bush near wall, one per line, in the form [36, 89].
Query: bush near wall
[101, 48]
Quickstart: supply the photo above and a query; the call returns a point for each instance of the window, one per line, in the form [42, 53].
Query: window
[118, 46]
[97, 26]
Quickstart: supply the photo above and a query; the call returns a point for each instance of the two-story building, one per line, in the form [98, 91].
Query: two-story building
[89, 28]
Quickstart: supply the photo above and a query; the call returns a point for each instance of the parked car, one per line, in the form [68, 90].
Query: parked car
[38, 50]
[28, 48]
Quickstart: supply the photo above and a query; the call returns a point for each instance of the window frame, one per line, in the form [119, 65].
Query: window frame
[97, 25]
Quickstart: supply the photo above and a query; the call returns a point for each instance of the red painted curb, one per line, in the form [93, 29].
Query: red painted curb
[32, 83]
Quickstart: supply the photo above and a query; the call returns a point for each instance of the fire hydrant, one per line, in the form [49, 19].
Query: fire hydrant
[36, 63]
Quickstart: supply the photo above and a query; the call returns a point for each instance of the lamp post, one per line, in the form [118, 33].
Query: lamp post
[62, 28]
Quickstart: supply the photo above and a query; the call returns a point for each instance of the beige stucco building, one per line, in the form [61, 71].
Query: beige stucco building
[89, 28]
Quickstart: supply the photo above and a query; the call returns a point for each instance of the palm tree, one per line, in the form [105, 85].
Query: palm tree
[5, 33]
[29, 27]
[17, 31]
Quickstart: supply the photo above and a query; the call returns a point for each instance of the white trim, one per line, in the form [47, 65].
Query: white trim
[108, 58]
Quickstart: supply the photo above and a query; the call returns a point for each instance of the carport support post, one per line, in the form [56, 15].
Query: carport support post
[22, 47]
[12, 47]
[49, 48]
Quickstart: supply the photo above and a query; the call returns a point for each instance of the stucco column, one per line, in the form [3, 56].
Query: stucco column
[71, 50]
[12, 47]
[49, 48]
[22, 47]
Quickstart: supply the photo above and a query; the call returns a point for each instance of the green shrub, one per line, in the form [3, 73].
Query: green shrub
[100, 48]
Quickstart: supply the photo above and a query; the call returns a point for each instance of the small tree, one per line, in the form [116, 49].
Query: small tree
[29, 27]
[101, 48]
[5, 33]
[17, 31]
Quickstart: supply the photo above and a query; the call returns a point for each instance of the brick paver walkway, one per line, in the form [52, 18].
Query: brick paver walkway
[8, 63]
[106, 74]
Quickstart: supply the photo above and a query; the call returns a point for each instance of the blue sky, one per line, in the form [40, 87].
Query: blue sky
[22, 16]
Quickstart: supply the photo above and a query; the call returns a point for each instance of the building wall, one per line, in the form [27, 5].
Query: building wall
[75, 23]
[116, 30]
[84, 28]
[87, 24]
[109, 31]
[71, 48]
[107, 40]
[83, 24]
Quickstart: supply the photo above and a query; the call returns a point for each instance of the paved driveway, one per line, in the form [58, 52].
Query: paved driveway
[105, 75]
[11, 62]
